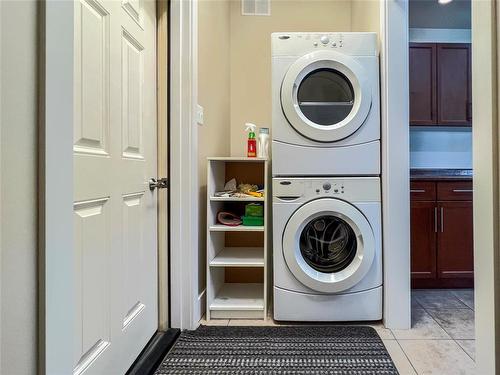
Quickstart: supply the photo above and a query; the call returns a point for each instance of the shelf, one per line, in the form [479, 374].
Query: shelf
[239, 297]
[236, 199]
[239, 257]
[235, 158]
[239, 228]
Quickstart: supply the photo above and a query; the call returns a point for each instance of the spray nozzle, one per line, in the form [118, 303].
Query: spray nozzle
[250, 128]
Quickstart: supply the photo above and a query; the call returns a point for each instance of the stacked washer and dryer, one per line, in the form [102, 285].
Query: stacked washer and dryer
[326, 177]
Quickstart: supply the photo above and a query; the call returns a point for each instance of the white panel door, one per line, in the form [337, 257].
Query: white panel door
[114, 149]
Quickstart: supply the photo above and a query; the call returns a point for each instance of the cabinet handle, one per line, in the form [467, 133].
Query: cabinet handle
[442, 220]
[463, 190]
[417, 190]
[435, 219]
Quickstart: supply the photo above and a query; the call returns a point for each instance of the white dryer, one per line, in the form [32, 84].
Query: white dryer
[327, 249]
[325, 104]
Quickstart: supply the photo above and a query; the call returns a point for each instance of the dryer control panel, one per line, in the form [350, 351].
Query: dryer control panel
[350, 188]
[296, 43]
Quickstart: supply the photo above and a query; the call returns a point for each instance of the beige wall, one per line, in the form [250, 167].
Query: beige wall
[213, 96]
[251, 50]
[365, 15]
[18, 181]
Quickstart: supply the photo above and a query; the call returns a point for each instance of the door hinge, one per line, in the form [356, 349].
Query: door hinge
[160, 183]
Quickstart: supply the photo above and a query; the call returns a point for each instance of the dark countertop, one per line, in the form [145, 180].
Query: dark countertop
[441, 174]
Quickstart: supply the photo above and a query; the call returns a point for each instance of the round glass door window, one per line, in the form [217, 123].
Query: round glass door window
[325, 96]
[328, 244]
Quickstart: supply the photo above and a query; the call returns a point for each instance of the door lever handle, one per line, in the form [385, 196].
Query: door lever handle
[160, 183]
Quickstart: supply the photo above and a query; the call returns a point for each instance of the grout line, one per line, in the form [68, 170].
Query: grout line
[408, 358]
[460, 346]
[443, 328]
[439, 325]
[431, 339]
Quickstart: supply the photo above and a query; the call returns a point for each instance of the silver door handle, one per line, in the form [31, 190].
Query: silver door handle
[463, 190]
[161, 183]
[442, 220]
[435, 219]
[417, 191]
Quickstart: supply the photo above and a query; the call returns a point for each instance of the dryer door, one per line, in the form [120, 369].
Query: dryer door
[326, 96]
[328, 245]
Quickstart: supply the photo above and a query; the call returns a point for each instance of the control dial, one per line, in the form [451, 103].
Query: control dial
[324, 39]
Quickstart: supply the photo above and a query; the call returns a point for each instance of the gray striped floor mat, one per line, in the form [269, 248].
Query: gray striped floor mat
[343, 350]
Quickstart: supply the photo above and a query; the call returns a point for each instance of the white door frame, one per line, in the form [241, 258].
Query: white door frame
[485, 86]
[395, 162]
[184, 145]
[184, 204]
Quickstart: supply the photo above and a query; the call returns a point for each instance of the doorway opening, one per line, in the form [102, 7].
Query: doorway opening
[441, 203]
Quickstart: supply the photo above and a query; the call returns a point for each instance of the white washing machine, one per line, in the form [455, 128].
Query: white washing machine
[325, 104]
[327, 249]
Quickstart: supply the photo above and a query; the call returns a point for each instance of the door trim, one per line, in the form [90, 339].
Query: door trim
[56, 187]
[395, 162]
[184, 275]
[162, 56]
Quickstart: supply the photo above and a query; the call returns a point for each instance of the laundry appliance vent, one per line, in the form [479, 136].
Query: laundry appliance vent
[256, 7]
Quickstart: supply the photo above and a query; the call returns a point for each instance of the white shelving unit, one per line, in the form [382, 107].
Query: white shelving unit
[235, 248]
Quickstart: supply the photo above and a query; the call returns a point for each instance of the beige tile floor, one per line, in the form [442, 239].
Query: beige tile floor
[440, 342]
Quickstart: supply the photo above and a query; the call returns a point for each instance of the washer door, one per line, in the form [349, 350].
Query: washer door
[328, 245]
[326, 96]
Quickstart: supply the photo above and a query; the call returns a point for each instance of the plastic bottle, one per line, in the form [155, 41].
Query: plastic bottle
[251, 143]
[263, 146]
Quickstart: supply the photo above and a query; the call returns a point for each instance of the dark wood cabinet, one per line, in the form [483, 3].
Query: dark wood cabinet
[455, 244]
[441, 234]
[423, 99]
[423, 239]
[440, 84]
[454, 84]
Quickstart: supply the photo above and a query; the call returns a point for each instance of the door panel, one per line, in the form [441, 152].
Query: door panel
[114, 157]
[454, 89]
[455, 240]
[423, 96]
[91, 126]
[92, 249]
[423, 239]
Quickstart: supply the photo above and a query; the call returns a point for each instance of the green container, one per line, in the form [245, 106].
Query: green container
[253, 221]
[254, 210]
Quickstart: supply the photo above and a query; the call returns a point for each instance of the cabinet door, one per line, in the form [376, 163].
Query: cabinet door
[423, 98]
[423, 239]
[454, 84]
[455, 241]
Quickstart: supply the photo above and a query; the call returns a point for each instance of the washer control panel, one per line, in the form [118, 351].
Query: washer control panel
[325, 40]
[330, 188]
[303, 189]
